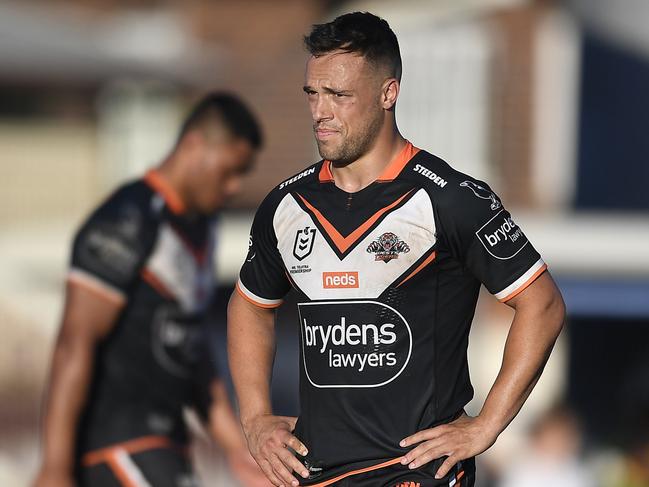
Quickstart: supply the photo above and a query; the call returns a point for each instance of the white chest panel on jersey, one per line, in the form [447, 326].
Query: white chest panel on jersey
[190, 281]
[376, 261]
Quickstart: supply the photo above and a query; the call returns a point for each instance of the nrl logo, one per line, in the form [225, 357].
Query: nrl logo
[388, 247]
[303, 243]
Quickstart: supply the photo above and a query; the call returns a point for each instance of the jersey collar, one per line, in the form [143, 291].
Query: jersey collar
[161, 186]
[390, 173]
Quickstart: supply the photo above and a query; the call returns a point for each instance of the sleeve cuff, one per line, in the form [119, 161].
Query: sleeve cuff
[96, 285]
[256, 300]
[519, 285]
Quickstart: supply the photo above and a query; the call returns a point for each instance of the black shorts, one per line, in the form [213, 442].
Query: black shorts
[397, 475]
[151, 461]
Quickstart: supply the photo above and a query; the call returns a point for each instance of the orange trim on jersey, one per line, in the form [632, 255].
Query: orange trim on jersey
[360, 470]
[132, 446]
[154, 179]
[527, 283]
[122, 475]
[390, 173]
[428, 260]
[154, 281]
[97, 289]
[256, 303]
[325, 175]
[458, 477]
[398, 163]
[343, 243]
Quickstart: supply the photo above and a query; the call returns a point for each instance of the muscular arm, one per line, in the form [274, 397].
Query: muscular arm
[538, 320]
[251, 350]
[87, 318]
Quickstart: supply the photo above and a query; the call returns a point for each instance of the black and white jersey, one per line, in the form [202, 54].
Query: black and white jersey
[387, 281]
[142, 250]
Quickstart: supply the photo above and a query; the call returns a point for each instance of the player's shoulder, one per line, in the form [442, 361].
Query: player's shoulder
[294, 182]
[447, 185]
[133, 203]
[434, 174]
[304, 176]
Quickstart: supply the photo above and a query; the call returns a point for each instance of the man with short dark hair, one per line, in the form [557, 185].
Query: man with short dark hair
[131, 354]
[386, 247]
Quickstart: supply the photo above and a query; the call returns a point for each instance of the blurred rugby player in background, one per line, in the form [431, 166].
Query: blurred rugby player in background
[131, 352]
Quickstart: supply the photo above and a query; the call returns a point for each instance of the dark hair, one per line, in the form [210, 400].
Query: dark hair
[358, 32]
[227, 110]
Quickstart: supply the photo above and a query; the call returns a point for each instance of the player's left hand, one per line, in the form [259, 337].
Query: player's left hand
[460, 439]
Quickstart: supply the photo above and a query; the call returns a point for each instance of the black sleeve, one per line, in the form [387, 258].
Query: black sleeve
[262, 279]
[112, 245]
[482, 235]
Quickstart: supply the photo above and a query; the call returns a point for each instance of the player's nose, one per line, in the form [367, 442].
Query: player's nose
[321, 110]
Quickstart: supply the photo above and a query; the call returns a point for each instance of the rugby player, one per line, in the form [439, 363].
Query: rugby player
[386, 246]
[130, 353]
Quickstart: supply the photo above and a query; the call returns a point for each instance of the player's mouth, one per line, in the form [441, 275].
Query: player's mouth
[325, 133]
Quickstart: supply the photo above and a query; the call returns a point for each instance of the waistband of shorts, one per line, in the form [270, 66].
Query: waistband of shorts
[370, 468]
[135, 445]
[381, 464]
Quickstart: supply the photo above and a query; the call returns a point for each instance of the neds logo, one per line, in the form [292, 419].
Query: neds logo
[340, 280]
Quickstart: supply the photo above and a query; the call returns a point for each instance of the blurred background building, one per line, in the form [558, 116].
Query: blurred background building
[547, 100]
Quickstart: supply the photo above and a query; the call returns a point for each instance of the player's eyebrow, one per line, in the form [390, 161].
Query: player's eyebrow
[326, 89]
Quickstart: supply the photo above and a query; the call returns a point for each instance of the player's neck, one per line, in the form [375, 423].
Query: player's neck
[365, 170]
[170, 171]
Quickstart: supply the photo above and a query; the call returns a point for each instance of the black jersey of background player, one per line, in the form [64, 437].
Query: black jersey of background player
[139, 245]
[387, 281]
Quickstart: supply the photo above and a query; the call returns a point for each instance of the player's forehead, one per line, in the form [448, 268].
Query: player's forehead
[337, 69]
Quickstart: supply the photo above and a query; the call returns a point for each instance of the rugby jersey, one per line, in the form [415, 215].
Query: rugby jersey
[142, 249]
[387, 280]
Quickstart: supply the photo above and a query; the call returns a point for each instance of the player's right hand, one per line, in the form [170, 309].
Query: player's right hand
[269, 439]
[54, 478]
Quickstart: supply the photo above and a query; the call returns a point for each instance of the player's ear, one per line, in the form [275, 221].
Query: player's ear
[192, 141]
[389, 93]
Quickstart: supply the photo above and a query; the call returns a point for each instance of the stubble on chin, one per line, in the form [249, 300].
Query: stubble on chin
[328, 153]
[350, 149]
[342, 154]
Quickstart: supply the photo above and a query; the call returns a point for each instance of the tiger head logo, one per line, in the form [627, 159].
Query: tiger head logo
[388, 247]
